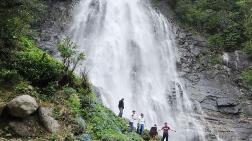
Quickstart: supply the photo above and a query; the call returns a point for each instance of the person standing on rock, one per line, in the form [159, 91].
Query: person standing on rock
[166, 129]
[121, 107]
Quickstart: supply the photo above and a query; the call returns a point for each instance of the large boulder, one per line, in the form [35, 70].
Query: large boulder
[45, 115]
[27, 127]
[22, 106]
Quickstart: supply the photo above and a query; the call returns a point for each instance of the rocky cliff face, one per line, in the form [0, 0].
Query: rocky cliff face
[55, 23]
[215, 86]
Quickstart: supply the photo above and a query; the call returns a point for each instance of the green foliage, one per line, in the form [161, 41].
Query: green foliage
[146, 136]
[69, 90]
[69, 54]
[248, 47]
[74, 103]
[36, 65]
[218, 19]
[16, 19]
[247, 76]
[9, 76]
[215, 59]
[103, 123]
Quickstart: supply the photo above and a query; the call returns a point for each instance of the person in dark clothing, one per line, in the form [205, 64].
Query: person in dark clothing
[153, 132]
[121, 107]
[166, 129]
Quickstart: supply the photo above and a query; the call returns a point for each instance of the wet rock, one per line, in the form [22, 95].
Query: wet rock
[247, 109]
[226, 102]
[22, 106]
[209, 103]
[45, 115]
[238, 60]
[229, 110]
[199, 41]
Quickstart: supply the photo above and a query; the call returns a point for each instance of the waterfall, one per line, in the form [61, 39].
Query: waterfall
[131, 54]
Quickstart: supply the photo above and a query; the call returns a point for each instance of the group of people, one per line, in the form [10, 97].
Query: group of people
[138, 124]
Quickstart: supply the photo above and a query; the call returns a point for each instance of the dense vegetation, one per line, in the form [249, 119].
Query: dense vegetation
[226, 24]
[26, 69]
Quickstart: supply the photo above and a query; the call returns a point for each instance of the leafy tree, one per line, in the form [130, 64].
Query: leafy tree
[71, 58]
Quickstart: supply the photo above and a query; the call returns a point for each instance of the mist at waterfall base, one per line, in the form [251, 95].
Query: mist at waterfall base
[131, 54]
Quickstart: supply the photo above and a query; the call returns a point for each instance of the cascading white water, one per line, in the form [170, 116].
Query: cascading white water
[131, 54]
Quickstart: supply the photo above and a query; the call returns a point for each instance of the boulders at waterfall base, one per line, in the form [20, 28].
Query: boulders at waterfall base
[24, 117]
[22, 106]
[45, 115]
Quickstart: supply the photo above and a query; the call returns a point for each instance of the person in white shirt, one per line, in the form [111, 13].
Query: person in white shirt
[141, 124]
[133, 120]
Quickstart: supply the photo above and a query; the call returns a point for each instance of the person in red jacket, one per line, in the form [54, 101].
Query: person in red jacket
[166, 129]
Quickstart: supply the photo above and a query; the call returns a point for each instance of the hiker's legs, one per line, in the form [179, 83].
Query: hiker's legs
[138, 128]
[131, 126]
[121, 112]
[165, 136]
[141, 129]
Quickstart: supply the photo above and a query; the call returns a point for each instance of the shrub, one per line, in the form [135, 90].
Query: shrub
[36, 65]
[71, 58]
[9, 76]
[74, 103]
[16, 19]
[218, 19]
[247, 76]
[248, 47]
[70, 55]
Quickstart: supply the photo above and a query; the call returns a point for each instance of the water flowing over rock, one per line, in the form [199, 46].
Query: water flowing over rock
[22, 106]
[131, 54]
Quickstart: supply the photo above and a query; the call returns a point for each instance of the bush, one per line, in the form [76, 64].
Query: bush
[247, 76]
[74, 103]
[248, 47]
[218, 19]
[16, 19]
[9, 76]
[36, 65]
